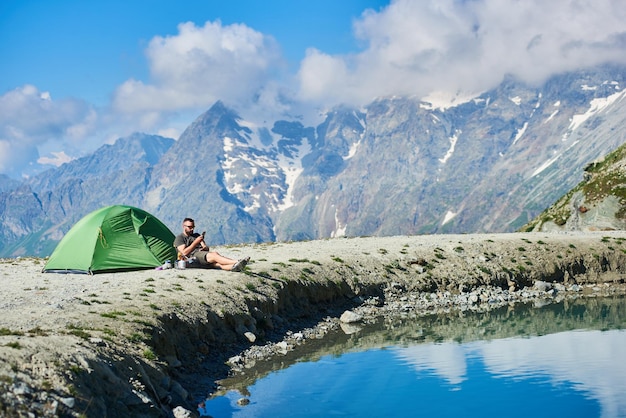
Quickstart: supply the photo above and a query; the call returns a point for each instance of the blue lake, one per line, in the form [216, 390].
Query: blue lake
[559, 360]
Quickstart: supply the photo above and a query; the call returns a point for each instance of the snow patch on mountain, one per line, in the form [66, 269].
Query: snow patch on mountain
[448, 217]
[520, 132]
[452, 140]
[292, 168]
[441, 100]
[340, 231]
[596, 106]
[353, 148]
[552, 160]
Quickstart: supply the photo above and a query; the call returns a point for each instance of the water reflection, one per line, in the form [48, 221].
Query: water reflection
[588, 360]
[546, 361]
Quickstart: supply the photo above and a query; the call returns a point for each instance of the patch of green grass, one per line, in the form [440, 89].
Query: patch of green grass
[80, 333]
[250, 286]
[459, 249]
[383, 251]
[6, 331]
[14, 344]
[484, 270]
[299, 260]
[38, 331]
[76, 369]
[149, 291]
[109, 331]
[148, 354]
[337, 259]
[136, 337]
[112, 314]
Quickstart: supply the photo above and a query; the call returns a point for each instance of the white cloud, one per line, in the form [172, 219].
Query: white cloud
[414, 48]
[56, 160]
[31, 120]
[458, 47]
[199, 66]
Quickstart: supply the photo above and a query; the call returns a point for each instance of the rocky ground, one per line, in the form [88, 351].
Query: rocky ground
[138, 343]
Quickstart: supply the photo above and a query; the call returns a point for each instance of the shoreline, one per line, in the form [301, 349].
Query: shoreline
[132, 343]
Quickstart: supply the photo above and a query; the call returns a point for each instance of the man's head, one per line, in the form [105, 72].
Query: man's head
[188, 226]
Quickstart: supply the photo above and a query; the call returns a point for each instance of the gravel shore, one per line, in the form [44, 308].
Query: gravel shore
[131, 343]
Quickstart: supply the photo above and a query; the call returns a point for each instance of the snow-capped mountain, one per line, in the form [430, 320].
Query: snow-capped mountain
[397, 166]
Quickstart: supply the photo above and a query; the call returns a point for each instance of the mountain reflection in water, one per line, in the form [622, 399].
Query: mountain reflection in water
[556, 360]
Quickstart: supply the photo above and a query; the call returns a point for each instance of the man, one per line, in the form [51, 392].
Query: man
[191, 244]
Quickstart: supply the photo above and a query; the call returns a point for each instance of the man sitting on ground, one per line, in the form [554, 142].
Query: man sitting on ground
[190, 244]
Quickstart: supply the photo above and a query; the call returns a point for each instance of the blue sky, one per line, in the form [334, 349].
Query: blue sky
[77, 74]
[83, 49]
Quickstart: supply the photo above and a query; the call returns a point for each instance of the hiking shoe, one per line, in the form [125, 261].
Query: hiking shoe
[240, 264]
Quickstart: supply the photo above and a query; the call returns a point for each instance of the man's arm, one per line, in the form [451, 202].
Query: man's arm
[202, 243]
[186, 250]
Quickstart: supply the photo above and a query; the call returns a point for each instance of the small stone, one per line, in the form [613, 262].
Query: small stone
[250, 336]
[243, 401]
[69, 402]
[349, 317]
[21, 389]
[180, 412]
[542, 286]
[97, 341]
[235, 360]
[349, 329]
[282, 347]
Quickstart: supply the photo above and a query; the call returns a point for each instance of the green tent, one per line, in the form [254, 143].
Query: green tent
[113, 238]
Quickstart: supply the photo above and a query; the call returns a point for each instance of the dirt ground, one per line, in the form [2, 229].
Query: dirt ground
[117, 343]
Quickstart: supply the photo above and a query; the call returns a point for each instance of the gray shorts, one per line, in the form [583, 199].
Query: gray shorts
[201, 256]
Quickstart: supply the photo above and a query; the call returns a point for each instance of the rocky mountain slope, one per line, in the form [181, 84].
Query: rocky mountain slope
[398, 166]
[35, 214]
[598, 202]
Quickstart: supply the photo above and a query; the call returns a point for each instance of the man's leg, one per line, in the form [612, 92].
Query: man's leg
[220, 261]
